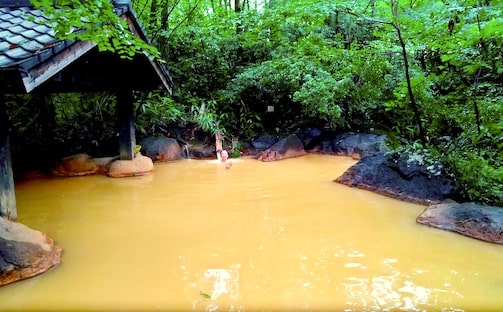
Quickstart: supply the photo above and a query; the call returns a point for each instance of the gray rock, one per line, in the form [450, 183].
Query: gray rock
[161, 149]
[289, 147]
[310, 136]
[402, 176]
[263, 142]
[201, 151]
[356, 145]
[362, 144]
[24, 252]
[138, 166]
[478, 221]
[75, 165]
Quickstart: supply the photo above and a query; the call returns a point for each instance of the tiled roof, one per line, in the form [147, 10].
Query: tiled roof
[27, 42]
[25, 33]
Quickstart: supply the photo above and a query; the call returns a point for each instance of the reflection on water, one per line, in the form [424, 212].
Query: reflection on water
[221, 283]
[260, 236]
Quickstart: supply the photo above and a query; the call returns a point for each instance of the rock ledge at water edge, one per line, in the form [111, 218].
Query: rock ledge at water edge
[407, 177]
[478, 221]
[24, 252]
[288, 147]
[402, 176]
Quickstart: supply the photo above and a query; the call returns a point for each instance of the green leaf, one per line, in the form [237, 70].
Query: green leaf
[493, 29]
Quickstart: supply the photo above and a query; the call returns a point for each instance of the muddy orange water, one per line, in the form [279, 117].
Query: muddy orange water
[260, 236]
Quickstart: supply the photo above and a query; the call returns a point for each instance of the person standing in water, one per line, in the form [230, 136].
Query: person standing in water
[224, 157]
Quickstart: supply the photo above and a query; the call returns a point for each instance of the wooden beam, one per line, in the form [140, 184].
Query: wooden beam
[162, 73]
[7, 194]
[16, 3]
[47, 69]
[125, 116]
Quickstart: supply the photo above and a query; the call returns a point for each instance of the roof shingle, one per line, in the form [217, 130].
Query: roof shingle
[23, 34]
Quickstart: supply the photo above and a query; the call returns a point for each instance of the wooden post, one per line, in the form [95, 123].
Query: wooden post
[7, 193]
[125, 116]
[218, 145]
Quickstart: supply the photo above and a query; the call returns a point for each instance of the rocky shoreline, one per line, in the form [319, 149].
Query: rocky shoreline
[406, 176]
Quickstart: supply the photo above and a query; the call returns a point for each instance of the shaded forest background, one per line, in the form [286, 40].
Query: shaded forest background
[427, 73]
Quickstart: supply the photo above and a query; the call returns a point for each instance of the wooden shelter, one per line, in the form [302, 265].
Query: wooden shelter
[33, 60]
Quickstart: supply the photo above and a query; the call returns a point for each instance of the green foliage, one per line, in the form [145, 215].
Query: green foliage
[476, 160]
[466, 82]
[203, 57]
[205, 117]
[236, 150]
[63, 124]
[480, 181]
[156, 112]
[306, 71]
[30, 118]
[85, 122]
[319, 96]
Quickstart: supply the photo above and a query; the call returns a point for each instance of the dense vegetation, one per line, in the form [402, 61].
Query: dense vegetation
[427, 73]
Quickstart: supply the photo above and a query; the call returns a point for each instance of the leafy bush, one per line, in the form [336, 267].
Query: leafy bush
[45, 127]
[156, 112]
[479, 180]
[85, 123]
[477, 159]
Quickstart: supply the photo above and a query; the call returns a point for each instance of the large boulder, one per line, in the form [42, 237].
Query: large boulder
[200, 151]
[478, 221]
[404, 176]
[310, 136]
[104, 163]
[356, 145]
[263, 142]
[359, 145]
[140, 165]
[75, 165]
[24, 252]
[161, 149]
[288, 147]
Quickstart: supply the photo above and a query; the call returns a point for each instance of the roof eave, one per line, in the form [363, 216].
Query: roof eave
[161, 71]
[48, 62]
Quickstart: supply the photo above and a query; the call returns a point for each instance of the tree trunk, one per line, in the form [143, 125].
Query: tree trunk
[475, 105]
[483, 48]
[153, 13]
[413, 104]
